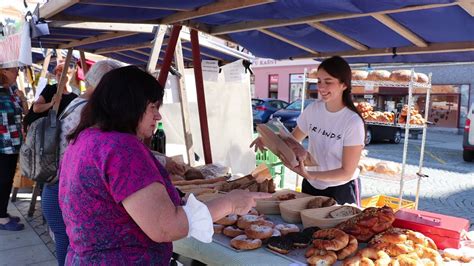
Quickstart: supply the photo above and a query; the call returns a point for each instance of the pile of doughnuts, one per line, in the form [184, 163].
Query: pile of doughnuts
[370, 222]
[330, 245]
[402, 246]
[403, 75]
[248, 231]
[415, 116]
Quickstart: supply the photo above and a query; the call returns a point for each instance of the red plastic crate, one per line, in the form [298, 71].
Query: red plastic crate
[444, 230]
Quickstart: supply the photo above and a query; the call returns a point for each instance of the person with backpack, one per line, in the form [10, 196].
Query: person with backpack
[12, 105]
[47, 99]
[69, 120]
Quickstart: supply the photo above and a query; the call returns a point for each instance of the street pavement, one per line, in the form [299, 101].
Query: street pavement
[449, 189]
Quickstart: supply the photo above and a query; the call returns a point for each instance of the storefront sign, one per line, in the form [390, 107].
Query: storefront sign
[273, 78]
[296, 78]
[368, 96]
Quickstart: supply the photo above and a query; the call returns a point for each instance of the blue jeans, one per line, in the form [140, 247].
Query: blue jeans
[54, 217]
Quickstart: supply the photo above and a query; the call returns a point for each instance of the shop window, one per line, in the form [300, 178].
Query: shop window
[273, 86]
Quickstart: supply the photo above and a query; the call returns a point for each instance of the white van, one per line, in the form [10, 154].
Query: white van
[468, 140]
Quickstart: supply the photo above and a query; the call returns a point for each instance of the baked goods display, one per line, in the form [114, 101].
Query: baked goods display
[406, 246]
[321, 202]
[287, 196]
[366, 111]
[378, 75]
[388, 168]
[370, 222]
[343, 211]
[330, 245]
[242, 242]
[415, 117]
[387, 246]
[359, 75]
[403, 75]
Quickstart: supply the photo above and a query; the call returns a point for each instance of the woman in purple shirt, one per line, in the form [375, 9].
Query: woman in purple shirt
[118, 203]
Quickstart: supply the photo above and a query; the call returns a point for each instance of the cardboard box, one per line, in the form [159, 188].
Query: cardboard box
[444, 230]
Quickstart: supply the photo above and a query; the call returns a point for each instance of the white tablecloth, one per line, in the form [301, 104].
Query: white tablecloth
[216, 254]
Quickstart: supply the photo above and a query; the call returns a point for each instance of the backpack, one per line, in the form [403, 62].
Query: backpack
[39, 154]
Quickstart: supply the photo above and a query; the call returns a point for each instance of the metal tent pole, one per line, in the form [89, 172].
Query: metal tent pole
[303, 94]
[407, 132]
[423, 141]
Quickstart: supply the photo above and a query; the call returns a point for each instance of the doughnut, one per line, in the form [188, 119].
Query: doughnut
[330, 239]
[322, 257]
[232, 231]
[276, 232]
[287, 228]
[280, 244]
[299, 239]
[258, 231]
[253, 211]
[245, 220]
[218, 228]
[228, 220]
[242, 242]
[349, 250]
[264, 222]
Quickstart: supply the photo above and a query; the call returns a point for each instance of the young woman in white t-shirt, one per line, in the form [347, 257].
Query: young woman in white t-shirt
[336, 134]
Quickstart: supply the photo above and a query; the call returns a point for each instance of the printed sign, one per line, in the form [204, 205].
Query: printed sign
[210, 70]
[15, 45]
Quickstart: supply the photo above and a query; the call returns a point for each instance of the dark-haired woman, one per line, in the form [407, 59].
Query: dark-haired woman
[118, 202]
[336, 134]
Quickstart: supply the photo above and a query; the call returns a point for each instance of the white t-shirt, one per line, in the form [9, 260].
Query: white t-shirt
[328, 133]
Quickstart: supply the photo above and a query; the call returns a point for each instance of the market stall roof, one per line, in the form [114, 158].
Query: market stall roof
[361, 30]
[129, 43]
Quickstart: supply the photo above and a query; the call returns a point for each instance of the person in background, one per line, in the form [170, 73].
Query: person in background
[336, 134]
[12, 105]
[49, 197]
[118, 202]
[47, 99]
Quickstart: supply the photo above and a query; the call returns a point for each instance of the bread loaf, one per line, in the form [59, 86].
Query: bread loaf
[359, 75]
[422, 78]
[379, 75]
[402, 76]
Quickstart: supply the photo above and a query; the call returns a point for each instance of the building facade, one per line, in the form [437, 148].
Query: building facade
[451, 95]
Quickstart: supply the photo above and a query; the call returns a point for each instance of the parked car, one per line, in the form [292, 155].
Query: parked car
[263, 108]
[289, 115]
[468, 139]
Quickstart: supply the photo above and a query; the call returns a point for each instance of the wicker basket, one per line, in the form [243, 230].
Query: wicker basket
[290, 209]
[272, 205]
[317, 217]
